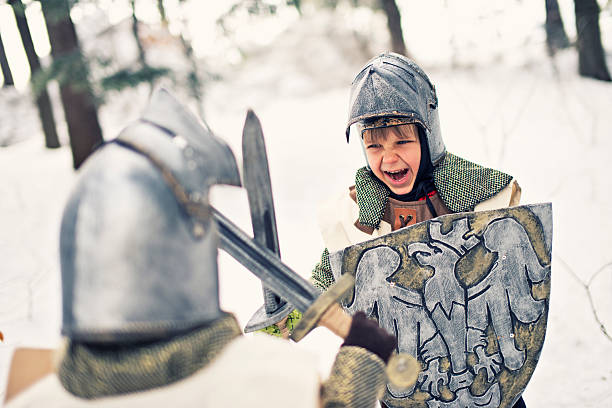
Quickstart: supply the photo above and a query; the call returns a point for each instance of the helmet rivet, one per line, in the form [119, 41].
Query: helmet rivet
[179, 141]
[198, 230]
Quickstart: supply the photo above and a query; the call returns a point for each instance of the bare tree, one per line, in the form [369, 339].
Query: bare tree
[43, 102]
[4, 65]
[77, 98]
[394, 23]
[591, 58]
[194, 80]
[135, 32]
[556, 38]
[162, 12]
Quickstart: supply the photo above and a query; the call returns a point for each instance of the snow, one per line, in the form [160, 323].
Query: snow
[504, 103]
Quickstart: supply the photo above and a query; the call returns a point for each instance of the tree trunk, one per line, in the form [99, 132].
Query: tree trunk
[556, 38]
[194, 81]
[394, 23]
[43, 102]
[591, 58]
[78, 101]
[141, 53]
[6, 69]
[162, 12]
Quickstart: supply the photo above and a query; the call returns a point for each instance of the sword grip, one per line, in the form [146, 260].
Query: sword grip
[322, 305]
[336, 320]
[402, 369]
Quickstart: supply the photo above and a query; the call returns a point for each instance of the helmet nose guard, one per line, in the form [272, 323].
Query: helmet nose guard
[138, 247]
[391, 85]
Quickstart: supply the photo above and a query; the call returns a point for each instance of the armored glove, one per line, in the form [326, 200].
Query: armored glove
[368, 334]
[358, 377]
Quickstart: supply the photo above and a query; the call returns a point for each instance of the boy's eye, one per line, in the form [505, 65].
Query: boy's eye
[405, 141]
[372, 146]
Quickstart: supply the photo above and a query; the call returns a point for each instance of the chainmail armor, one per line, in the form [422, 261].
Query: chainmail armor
[372, 196]
[463, 185]
[91, 372]
[354, 375]
[322, 277]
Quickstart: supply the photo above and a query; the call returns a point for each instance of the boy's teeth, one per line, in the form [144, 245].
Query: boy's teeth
[397, 174]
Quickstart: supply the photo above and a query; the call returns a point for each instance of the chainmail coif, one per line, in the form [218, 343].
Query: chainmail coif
[461, 184]
[94, 372]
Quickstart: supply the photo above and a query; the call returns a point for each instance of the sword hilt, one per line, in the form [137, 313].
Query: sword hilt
[319, 307]
[402, 369]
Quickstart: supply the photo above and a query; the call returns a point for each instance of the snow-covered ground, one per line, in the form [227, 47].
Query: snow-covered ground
[503, 102]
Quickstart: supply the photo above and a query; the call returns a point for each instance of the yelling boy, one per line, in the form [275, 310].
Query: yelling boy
[409, 177]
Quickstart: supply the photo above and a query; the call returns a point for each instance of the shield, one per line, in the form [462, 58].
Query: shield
[467, 294]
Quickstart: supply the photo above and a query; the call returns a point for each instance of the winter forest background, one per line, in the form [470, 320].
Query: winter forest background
[524, 86]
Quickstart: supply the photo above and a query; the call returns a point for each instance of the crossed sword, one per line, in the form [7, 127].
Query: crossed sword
[260, 255]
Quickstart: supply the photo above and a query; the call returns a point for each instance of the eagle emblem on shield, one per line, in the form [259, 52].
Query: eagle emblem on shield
[467, 294]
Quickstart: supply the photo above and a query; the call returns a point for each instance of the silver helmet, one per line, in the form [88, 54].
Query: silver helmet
[138, 247]
[390, 90]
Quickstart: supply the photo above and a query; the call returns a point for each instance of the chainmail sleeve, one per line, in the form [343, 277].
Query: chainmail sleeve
[357, 379]
[322, 277]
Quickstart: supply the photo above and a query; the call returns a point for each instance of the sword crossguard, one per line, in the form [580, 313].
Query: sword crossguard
[334, 321]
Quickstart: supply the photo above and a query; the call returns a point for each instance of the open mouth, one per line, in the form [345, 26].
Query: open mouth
[397, 175]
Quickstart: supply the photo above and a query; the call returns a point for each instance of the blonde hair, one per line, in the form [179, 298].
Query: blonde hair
[405, 131]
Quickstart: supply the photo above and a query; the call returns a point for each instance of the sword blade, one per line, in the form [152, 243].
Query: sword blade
[265, 265]
[256, 177]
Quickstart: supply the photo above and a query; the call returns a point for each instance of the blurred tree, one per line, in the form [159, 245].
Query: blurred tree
[43, 102]
[72, 72]
[135, 32]
[556, 38]
[162, 12]
[194, 80]
[118, 78]
[591, 58]
[394, 23]
[297, 4]
[6, 69]
[392, 12]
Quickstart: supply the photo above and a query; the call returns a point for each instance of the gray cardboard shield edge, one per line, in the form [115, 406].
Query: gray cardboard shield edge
[467, 294]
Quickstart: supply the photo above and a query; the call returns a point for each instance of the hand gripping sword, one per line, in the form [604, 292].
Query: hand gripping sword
[256, 180]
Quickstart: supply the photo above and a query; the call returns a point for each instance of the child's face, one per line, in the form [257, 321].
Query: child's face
[394, 154]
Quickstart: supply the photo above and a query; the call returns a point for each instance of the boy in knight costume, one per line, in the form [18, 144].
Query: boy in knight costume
[140, 290]
[409, 177]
